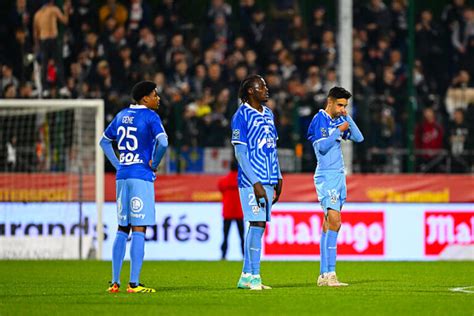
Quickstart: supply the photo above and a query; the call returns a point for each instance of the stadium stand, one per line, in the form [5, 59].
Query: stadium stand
[108, 46]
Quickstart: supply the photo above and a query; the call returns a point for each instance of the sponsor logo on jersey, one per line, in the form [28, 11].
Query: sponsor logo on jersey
[444, 229]
[299, 233]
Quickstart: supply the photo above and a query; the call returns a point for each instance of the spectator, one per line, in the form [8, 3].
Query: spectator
[46, 37]
[453, 13]
[282, 12]
[231, 208]
[462, 31]
[140, 15]
[429, 136]
[115, 10]
[458, 135]
[219, 8]
[9, 91]
[8, 78]
[318, 25]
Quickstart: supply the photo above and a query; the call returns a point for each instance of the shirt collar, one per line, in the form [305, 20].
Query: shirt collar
[252, 108]
[137, 106]
[326, 114]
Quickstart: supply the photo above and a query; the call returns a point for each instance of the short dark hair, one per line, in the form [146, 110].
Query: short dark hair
[141, 89]
[339, 93]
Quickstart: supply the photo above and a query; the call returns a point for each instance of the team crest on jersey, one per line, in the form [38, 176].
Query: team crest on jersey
[255, 209]
[136, 204]
[324, 133]
[236, 134]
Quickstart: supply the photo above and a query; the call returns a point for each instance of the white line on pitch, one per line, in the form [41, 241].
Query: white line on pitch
[463, 289]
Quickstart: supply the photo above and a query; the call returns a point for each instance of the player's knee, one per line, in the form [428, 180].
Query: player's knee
[140, 229]
[125, 229]
[258, 224]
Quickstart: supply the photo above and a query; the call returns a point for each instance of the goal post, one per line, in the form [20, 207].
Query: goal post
[50, 152]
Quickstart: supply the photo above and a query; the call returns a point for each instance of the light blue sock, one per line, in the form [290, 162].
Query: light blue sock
[246, 268]
[323, 267]
[332, 250]
[255, 248]
[118, 252]
[137, 252]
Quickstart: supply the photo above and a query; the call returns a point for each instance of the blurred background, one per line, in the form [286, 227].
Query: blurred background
[410, 69]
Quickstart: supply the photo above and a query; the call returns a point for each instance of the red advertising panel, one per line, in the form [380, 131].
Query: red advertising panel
[299, 233]
[57, 187]
[445, 228]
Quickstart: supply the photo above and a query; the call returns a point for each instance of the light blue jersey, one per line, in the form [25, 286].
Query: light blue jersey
[136, 130]
[322, 126]
[257, 131]
[329, 178]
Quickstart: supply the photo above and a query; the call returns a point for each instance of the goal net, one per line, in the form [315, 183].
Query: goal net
[51, 179]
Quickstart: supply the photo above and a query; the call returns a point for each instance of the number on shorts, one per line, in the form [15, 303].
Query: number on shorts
[251, 199]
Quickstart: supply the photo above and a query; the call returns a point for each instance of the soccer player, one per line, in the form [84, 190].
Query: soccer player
[325, 132]
[142, 142]
[254, 137]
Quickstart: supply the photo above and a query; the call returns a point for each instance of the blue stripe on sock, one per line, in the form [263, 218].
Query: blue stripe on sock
[118, 253]
[332, 250]
[323, 267]
[137, 252]
[255, 248]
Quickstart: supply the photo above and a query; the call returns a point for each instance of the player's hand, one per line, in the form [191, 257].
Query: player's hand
[149, 163]
[343, 127]
[278, 188]
[260, 194]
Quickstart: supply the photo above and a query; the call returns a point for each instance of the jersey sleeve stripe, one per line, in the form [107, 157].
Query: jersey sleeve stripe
[103, 134]
[238, 142]
[158, 135]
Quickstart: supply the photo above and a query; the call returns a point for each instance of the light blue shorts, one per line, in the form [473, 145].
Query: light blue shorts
[331, 190]
[252, 212]
[135, 202]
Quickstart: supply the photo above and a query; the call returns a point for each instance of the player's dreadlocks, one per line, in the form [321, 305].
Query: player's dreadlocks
[245, 85]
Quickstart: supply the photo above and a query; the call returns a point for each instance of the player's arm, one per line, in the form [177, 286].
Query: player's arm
[279, 185]
[354, 132]
[106, 144]
[317, 134]
[159, 150]
[324, 144]
[161, 140]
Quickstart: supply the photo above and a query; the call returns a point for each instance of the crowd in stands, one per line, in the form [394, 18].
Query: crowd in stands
[100, 49]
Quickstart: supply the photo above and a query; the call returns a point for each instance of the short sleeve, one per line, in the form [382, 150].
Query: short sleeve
[111, 130]
[239, 130]
[318, 129]
[156, 125]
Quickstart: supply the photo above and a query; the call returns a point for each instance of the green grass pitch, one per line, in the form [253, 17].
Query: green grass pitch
[192, 288]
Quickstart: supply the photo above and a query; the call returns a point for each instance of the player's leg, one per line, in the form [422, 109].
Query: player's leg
[142, 214]
[337, 199]
[120, 242]
[256, 231]
[321, 191]
[247, 200]
[227, 223]
[323, 265]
